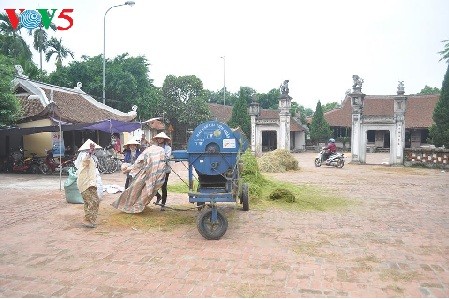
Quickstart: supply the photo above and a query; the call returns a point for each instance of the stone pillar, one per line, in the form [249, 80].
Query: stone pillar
[254, 111]
[399, 117]
[284, 121]
[357, 98]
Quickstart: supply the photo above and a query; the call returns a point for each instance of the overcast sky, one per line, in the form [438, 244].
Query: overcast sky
[317, 45]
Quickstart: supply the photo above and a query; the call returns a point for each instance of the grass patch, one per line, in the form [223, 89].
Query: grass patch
[264, 193]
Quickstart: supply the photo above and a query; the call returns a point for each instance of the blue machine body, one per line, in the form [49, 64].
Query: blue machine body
[213, 151]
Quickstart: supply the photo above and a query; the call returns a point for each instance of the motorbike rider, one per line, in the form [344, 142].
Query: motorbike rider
[330, 149]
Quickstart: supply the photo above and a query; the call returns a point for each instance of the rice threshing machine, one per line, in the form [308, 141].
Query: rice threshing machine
[213, 152]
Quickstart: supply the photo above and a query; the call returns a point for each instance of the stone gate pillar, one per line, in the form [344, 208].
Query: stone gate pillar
[285, 103]
[399, 118]
[254, 111]
[357, 98]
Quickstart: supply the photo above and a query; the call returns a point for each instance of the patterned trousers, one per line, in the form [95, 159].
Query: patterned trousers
[91, 204]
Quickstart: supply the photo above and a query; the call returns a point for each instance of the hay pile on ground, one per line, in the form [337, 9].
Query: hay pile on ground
[279, 160]
[283, 194]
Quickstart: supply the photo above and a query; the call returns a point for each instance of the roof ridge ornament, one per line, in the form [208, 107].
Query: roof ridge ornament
[357, 86]
[401, 88]
[19, 71]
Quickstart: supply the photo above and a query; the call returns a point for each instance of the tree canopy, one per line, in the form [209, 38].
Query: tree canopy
[240, 117]
[429, 90]
[9, 104]
[319, 128]
[439, 131]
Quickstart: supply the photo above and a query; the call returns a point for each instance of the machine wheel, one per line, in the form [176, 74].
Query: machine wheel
[209, 230]
[244, 199]
[340, 163]
[45, 169]
[317, 162]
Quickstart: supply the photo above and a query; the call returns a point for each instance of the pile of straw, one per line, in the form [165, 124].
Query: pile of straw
[279, 160]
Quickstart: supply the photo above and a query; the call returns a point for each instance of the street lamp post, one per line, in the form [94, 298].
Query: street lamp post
[129, 3]
[224, 79]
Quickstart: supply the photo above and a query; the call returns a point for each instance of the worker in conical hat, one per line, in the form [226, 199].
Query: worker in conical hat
[89, 181]
[162, 140]
[132, 151]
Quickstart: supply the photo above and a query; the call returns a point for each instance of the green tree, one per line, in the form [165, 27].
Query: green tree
[11, 42]
[10, 108]
[184, 105]
[429, 90]
[55, 47]
[445, 53]
[127, 82]
[439, 131]
[319, 128]
[269, 100]
[240, 117]
[330, 106]
[40, 40]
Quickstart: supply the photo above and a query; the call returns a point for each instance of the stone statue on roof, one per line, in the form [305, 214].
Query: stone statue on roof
[284, 87]
[357, 82]
[401, 87]
[19, 71]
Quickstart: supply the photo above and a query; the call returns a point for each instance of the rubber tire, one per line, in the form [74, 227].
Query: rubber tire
[45, 169]
[317, 162]
[340, 163]
[208, 230]
[245, 197]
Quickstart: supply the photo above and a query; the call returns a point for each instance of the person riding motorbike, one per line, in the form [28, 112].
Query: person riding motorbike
[330, 149]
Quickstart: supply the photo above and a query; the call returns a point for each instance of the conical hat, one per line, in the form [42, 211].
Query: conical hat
[132, 141]
[162, 135]
[86, 145]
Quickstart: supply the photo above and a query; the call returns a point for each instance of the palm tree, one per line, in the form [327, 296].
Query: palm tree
[13, 45]
[445, 52]
[55, 46]
[40, 39]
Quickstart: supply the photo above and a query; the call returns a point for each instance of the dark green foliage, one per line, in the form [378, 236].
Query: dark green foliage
[319, 128]
[439, 132]
[240, 117]
[127, 82]
[184, 105]
[445, 53]
[9, 104]
[269, 100]
[282, 194]
[429, 90]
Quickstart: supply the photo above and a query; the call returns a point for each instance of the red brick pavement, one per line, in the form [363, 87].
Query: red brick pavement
[393, 242]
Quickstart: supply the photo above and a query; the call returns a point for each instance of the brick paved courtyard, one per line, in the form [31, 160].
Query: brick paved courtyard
[393, 242]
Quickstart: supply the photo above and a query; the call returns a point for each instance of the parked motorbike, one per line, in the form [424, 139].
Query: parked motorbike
[335, 159]
[51, 165]
[17, 163]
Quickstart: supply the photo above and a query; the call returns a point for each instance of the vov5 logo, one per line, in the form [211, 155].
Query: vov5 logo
[31, 19]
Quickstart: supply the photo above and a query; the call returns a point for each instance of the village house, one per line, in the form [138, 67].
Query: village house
[48, 110]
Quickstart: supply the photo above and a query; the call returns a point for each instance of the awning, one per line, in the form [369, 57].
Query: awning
[109, 126]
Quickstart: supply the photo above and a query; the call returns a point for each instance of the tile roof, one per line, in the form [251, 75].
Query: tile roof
[418, 114]
[40, 100]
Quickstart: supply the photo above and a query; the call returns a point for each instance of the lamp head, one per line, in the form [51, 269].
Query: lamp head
[130, 3]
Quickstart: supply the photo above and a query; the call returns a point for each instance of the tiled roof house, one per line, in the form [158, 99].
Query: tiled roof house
[45, 106]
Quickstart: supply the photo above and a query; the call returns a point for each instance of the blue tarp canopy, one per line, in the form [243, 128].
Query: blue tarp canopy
[114, 126]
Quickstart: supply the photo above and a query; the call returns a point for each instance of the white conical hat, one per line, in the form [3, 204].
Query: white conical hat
[86, 145]
[132, 141]
[162, 135]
